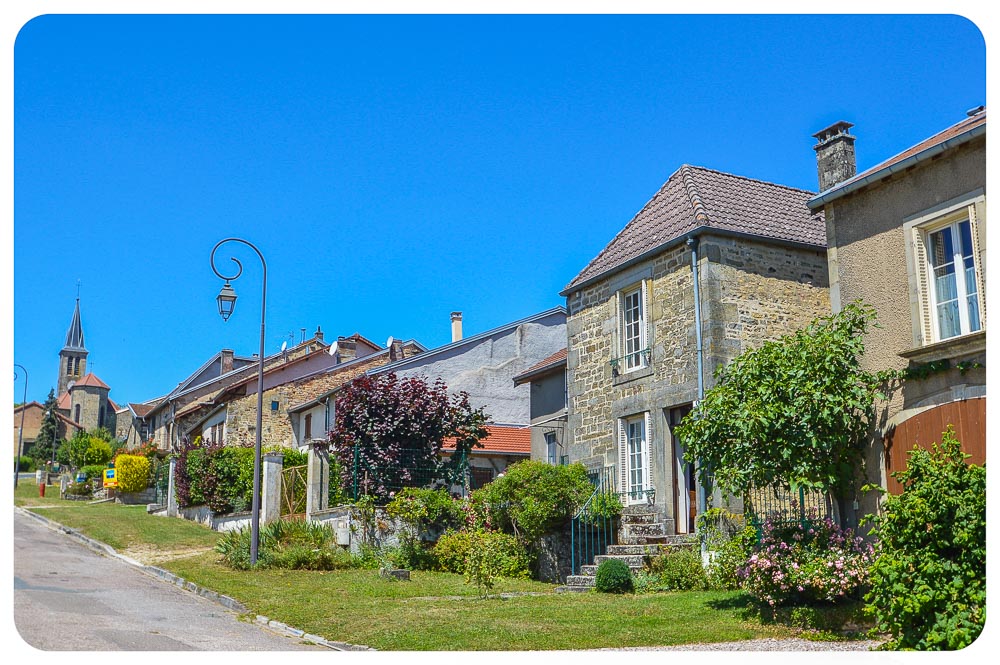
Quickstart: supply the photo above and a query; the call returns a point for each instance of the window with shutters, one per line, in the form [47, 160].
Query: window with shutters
[633, 458]
[948, 271]
[632, 334]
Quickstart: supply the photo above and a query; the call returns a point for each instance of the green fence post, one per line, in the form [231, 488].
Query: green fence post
[802, 508]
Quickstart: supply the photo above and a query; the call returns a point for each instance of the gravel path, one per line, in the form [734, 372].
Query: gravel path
[765, 644]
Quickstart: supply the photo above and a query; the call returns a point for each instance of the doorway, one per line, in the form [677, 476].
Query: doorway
[685, 485]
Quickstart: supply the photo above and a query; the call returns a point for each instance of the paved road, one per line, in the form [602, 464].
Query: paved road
[67, 597]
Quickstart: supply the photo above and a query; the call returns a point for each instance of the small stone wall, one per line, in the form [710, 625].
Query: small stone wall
[204, 515]
[146, 496]
[555, 557]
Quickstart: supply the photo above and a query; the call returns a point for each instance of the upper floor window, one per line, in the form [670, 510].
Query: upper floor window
[308, 427]
[948, 276]
[632, 326]
[955, 294]
[76, 413]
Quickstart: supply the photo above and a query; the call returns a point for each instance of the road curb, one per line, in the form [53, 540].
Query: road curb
[178, 581]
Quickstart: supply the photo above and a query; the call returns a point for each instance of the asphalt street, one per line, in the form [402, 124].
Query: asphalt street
[69, 598]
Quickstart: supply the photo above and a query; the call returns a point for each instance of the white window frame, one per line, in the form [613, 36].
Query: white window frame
[633, 482]
[637, 357]
[551, 448]
[923, 294]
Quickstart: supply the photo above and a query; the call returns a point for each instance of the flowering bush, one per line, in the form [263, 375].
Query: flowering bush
[806, 562]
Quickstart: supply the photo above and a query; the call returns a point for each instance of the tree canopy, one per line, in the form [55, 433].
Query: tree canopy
[389, 433]
[792, 412]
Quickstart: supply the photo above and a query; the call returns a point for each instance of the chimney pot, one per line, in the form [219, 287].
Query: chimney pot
[226, 361]
[835, 159]
[456, 326]
[319, 334]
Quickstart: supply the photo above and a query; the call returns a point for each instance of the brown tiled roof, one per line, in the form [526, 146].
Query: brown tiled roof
[92, 380]
[555, 360]
[114, 407]
[64, 402]
[502, 439]
[695, 197]
[141, 409]
[940, 137]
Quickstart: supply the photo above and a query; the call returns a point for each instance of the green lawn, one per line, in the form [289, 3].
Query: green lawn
[433, 611]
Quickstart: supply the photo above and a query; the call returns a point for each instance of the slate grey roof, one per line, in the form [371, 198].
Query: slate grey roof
[698, 198]
[74, 336]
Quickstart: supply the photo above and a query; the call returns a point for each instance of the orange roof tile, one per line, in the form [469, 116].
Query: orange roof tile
[64, 402]
[501, 439]
[92, 380]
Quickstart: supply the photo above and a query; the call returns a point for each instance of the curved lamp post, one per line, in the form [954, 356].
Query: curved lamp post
[20, 430]
[227, 302]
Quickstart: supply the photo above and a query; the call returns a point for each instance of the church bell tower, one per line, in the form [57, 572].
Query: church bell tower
[73, 357]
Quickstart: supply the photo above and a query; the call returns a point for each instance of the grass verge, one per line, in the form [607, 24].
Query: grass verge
[433, 611]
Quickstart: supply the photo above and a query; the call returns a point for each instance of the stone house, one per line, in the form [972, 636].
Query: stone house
[34, 413]
[484, 366]
[712, 265]
[297, 395]
[193, 396]
[908, 236]
[547, 408]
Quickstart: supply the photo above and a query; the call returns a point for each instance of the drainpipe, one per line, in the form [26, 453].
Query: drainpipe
[692, 243]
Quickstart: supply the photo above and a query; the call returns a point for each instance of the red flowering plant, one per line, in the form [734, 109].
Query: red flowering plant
[390, 433]
[807, 562]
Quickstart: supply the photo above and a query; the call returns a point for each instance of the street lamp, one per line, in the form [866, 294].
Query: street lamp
[227, 303]
[20, 431]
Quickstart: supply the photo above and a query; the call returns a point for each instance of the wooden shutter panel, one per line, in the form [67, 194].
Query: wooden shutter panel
[622, 458]
[924, 286]
[978, 256]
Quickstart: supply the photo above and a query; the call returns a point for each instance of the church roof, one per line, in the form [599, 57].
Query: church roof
[91, 380]
[74, 336]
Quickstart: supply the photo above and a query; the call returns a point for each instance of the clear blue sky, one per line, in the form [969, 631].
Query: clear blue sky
[394, 169]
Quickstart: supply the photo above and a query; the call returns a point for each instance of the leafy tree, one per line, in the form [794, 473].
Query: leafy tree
[928, 584]
[41, 449]
[792, 412]
[396, 428]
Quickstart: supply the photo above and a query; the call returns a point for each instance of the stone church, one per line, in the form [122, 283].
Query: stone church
[83, 398]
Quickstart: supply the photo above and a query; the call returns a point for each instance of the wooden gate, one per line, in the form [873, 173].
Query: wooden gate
[293, 492]
[968, 416]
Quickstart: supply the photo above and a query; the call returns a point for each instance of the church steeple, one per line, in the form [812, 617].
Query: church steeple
[73, 357]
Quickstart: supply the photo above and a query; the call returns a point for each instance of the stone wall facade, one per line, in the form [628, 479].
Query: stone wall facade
[751, 291]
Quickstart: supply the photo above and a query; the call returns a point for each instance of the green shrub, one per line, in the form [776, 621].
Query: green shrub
[427, 512]
[679, 569]
[80, 489]
[132, 473]
[94, 471]
[613, 576]
[98, 452]
[491, 556]
[928, 582]
[729, 557]
[452, 551]
[25, 463]
[532, 498]
[414, 554]
[285, 544]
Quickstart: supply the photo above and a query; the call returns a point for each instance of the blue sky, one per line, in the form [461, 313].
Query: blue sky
[393, 169]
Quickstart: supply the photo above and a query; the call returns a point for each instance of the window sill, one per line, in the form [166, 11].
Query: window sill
[625, 377]
[956, 347]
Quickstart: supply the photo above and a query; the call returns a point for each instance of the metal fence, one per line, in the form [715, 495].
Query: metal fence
[593, 528]
[784, 506]
[410, 468]
[161, 482]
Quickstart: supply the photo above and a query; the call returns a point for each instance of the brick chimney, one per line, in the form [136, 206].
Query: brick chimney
[835, 161]
[456, 326]
[227, 361]
[318, 334]
[396, 350]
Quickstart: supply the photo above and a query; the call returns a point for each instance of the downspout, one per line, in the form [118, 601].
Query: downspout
[692, 243]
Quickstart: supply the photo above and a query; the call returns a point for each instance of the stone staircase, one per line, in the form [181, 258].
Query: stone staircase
[640, 535]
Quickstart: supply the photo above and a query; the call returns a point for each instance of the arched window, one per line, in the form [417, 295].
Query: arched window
[76, 413]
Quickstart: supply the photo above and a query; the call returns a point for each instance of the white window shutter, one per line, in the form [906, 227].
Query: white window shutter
[978, 257]
[647, 472]
[924, 287]
[646, 324]
[622, 458]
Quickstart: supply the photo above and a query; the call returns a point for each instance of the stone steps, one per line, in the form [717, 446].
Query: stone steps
[640, 535]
